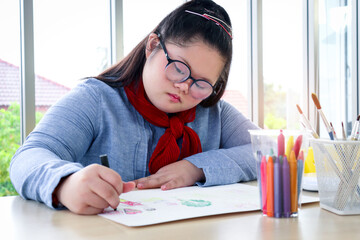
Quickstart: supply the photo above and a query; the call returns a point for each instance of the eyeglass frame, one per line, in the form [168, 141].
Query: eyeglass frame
[162, 44]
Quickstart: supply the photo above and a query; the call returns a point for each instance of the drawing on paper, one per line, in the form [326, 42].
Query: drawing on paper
[129, 203]
[153, 203]
[131, 211]
[195, 203]
[145, 207]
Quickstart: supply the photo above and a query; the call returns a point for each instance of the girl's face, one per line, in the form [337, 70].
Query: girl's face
[205, 63]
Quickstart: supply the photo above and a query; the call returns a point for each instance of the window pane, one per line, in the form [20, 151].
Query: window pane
[335, 64]
[237, 89]
[282, 62]
[72, 41]
[9, 89]
[140, 21]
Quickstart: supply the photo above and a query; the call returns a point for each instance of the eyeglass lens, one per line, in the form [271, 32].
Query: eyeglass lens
[177, 71]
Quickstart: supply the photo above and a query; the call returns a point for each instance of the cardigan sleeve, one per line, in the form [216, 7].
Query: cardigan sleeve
[233, 161]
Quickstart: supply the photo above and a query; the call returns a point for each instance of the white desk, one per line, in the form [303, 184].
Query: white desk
[21, 219]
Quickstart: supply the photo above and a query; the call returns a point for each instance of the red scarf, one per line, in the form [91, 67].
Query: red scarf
[167, 150]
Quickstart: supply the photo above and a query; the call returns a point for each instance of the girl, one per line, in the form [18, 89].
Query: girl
[157, 114]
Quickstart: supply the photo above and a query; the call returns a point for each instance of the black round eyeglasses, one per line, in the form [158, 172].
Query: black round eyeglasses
[178, 72]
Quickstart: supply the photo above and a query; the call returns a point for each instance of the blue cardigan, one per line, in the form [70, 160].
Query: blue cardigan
[95, 119]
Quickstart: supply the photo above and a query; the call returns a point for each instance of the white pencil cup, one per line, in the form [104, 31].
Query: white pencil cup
[279, 184]
[338, 170]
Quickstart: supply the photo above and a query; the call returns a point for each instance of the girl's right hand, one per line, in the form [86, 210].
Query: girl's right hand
[92, 189]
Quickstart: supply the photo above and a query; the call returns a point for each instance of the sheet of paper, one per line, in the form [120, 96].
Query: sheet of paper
[146, 207]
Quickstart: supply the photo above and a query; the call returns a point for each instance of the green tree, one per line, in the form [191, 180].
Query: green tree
[274, 107]
[10, 142]
[273, 122]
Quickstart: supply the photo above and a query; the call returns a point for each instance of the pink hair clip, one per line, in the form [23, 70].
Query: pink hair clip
[214, 19]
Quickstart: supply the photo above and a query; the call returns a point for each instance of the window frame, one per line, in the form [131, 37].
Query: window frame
[255, 63]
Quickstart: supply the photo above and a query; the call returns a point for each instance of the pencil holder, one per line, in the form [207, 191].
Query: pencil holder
[279, 158]
[338, 170]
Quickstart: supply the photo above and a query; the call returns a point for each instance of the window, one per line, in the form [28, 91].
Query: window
[141, 17]
[283, 55]
[335, 66]
[237, 88]
[71, 41]
[9, 90]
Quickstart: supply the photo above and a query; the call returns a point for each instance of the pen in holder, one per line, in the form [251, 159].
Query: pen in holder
[338, 170]
[279, 158]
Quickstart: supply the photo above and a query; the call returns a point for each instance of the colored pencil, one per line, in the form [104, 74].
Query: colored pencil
[300, 170]
[258, 173]
[293, 182]
[286, 188]
[289, 146]
[270, 187]
[281, 144]
[263, 184]
[277, 187]
[297, 146]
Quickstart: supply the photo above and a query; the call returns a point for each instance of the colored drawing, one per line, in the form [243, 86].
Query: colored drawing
[110, 211]
[153, 199]
[152, 206]
[150, 209]
[195, 203]
[129, 203]
[131, 211]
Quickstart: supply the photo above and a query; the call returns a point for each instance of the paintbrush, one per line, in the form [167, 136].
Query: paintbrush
[343, 131]
[307, 123]
[318, 106]
[355, 131]
[333, 130]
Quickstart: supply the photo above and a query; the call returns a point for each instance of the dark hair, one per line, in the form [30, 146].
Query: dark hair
[181, 27]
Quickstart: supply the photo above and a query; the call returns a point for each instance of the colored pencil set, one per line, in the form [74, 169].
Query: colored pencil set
[279, 178]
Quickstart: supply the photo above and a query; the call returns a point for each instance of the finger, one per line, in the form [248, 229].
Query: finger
[154, 181]
[140, 180]
[94, 200]
[111, 177]
[171, 185]
[136, 182]
[92, 210]
[107, 192]
[128, 186]
[88, 210]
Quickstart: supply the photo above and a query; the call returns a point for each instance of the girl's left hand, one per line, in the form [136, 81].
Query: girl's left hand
[178, 174]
